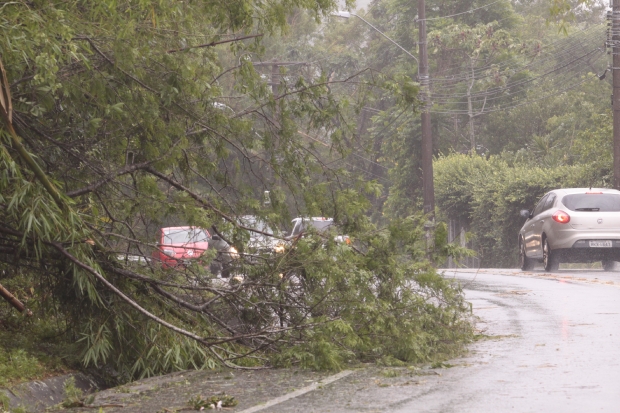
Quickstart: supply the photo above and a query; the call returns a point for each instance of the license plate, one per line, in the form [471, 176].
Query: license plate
[600, 244]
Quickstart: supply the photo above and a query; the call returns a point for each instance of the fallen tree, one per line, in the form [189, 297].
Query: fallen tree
[120, 118]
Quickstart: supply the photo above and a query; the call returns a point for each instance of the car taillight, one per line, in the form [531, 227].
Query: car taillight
[561, 217]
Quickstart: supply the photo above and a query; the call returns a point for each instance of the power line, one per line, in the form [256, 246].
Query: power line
[570, 57]
[548, 56]
[524, 102]
[548, 52]
[575, 66]
[458, 14]
[440, 98]
[381, 178]
[491, 108]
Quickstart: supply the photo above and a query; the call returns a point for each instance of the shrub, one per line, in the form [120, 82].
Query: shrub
[488, 193]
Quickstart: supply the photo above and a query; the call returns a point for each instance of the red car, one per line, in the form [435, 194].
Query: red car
[179, 245]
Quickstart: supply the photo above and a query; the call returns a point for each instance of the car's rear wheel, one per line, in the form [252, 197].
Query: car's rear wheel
[215, 267]
[609, 265]
[551, 261]
[226, 270]
[526, 263]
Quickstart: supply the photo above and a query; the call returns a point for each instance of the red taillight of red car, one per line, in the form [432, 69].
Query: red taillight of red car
[561, 217]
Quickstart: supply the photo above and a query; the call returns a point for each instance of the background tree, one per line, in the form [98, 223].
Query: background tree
[504, 75]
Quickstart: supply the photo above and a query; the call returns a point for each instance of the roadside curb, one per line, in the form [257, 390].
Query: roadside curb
[38, 395]
[299, 392]
[253, 390]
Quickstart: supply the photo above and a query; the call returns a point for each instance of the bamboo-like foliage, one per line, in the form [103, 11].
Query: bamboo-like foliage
[145, 114]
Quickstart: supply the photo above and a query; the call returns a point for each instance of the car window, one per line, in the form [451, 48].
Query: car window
[254, 223]
[539, 206]
[592, 202]
[297, 228]
[550, 200]
[184, 236]
[321, 226]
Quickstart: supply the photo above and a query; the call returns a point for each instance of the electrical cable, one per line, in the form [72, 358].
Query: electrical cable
[500, 89]
[548, 56]
[549, 51]
[512, 103]
[381, 178]
[567, 67]
[440, 98]
[458, 14]
[560, 64]
[526, 101]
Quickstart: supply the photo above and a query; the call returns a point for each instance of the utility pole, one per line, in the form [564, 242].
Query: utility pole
[275, 78]
[428, 188]
[615, 98]
[275, 86]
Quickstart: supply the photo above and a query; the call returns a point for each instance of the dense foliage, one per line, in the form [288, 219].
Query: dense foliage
[129, 116]
[132, 115]
[488, 194]
[519, 86]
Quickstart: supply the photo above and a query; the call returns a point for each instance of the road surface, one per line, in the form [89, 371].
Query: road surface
[552, 345]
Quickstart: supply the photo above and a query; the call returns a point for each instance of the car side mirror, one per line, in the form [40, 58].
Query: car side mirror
[216, 238]
[525, 213]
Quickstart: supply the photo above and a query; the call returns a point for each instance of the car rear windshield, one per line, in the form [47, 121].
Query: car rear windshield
[321, 225]
[184, 236]
[592, 202]
[255, 224]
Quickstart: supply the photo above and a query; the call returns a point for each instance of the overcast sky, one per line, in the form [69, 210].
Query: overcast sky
[360, 3]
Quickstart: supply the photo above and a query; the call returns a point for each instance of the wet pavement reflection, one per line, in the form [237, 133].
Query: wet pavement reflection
[551, 343]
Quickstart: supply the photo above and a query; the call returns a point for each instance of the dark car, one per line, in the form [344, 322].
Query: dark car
[262, 238]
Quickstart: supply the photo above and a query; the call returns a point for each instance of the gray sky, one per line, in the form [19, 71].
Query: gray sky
[361, 3]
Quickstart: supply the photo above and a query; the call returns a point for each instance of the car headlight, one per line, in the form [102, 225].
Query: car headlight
[169, 253]
[232, 251]
[279, 248]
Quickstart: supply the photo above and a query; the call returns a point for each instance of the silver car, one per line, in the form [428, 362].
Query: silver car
[572, 225]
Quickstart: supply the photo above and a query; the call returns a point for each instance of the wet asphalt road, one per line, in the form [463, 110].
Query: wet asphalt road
[553, 346]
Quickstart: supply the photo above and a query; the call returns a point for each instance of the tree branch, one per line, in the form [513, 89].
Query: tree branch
[123, 171]
[215, 43]
[4, 293]
[142, 310]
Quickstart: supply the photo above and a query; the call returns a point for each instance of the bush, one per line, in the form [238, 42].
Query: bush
[488, 193]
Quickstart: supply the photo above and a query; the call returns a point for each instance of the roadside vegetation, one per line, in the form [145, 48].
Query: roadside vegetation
[128, 116]
[570, 147]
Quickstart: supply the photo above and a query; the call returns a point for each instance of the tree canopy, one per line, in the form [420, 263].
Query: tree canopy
[128, 116]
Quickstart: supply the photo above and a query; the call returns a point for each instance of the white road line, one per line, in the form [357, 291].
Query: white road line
[298, 393]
